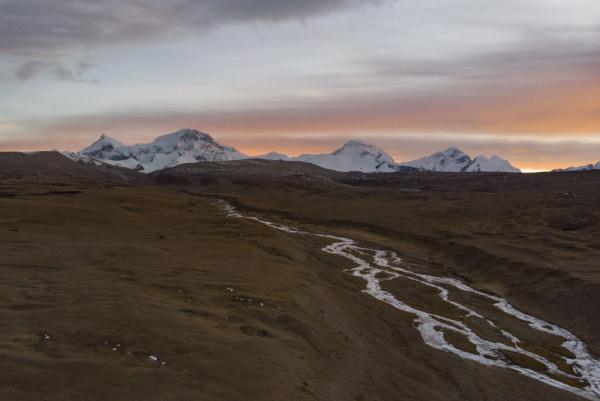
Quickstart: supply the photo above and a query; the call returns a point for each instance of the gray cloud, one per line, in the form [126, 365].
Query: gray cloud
[41, 32]
[39, 27]
[72, 73]
[53, 68]
[537, 58]
[543, 79]
[29, 69]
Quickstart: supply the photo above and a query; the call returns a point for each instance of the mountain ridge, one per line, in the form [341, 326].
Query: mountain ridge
[169, 150]
[191, 146]
[587, 167]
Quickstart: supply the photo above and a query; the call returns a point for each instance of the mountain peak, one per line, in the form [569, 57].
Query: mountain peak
[450, 160]
[191, 133]
[354, 155]
[453, 159]
[182, 136]
[492, 164]
[103, 144]
[109, 139]
[356, 143]
[183, 146]
[454, 151]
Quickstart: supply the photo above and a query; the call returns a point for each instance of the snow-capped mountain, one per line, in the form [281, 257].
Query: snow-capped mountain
[353, 156]
[449, 160]
[582, 168]
[106, 148]
[191, 146]
[455, 160]
[492, 164]
[183, 146]
[359, 156]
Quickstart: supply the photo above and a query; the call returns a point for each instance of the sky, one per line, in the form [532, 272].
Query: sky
[517, 78]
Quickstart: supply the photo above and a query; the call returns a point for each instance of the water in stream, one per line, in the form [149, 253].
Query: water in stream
[474, 315]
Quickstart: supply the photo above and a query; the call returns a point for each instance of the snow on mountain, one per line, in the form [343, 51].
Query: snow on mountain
[106, 148]
[183, 146]
[353, 156]
[493, 164]
[587, 167]
[455, 160]
[360, 156]
[191, 146]
[449, 160]
[78, 157]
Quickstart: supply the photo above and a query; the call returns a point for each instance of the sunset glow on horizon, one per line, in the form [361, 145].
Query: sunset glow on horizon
[520, 79]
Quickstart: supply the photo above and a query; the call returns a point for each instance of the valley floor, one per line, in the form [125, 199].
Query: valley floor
[153, 292]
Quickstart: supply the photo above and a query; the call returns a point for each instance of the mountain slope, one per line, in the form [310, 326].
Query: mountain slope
[180, 147]
[55, 168]
[492, 164]
[587, 167]
[107, 148]
[455, 160]
[449, 160]
[353, 156]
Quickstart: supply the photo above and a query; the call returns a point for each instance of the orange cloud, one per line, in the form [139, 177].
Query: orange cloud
[566, 108]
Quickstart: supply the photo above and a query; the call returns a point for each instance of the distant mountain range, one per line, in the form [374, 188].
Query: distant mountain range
[352, 156]
[582, 168]
[181, 147]
[455, 160]
[191, 146]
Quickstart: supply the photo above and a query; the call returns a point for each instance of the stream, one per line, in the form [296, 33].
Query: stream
[479, 320]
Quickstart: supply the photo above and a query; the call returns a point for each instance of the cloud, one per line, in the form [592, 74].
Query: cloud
[29, 69]
[54, 68]
[40, 30]
[32, 26]
[534, 72]
[530, 152]
[531, 58]
[538, 88]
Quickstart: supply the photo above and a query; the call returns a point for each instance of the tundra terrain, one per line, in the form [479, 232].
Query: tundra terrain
[115, 285]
